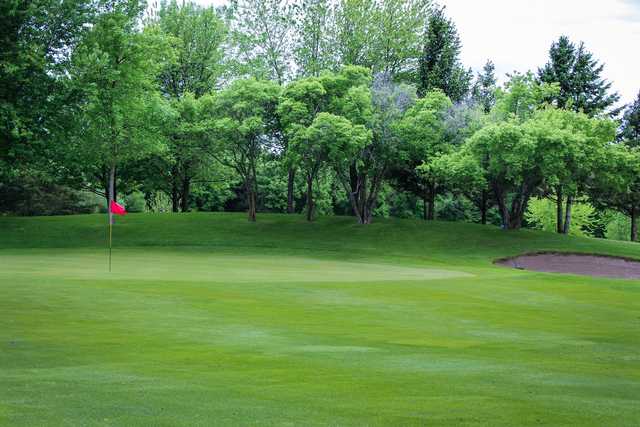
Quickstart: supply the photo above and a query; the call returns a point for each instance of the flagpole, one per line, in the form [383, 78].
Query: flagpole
[111, 198]
[110, 234]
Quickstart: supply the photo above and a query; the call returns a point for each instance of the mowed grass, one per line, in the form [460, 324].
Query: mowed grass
[207, 319]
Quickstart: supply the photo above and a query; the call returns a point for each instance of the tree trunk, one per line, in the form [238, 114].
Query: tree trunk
[483, 208]
[425, 197]
[567, 218]
[186, 189]
[175, 196]
[251, 199]
[290, 183]
[310, 206]
[634, 224]
[559, 212]
[431, 208]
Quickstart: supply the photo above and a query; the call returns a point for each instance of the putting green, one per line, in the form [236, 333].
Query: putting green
[152, 264]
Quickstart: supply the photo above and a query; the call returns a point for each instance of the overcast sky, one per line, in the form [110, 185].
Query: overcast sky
[516, 34]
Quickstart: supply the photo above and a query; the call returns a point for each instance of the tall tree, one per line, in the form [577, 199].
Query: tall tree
[386, 102]
[581, 88]
[314, 44]
[243, 126]
[262, 32]
[484, 88]
[617, 184]
[630, 128]
[439, 64]
[423, 134]
[579, 75]
[384, 36]
[36, 41]
[116, 68]
[198, 36]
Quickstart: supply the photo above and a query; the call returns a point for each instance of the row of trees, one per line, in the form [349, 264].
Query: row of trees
[359, 98]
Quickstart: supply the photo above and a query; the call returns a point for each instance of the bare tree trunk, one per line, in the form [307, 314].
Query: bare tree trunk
[634, 223]
[290, 183]
[310, 206]
[567, 217]
[559, 211]
[175, 195]
[425, 196]
[251, 199]
[431, 209]
[483, 208]
[186, 189]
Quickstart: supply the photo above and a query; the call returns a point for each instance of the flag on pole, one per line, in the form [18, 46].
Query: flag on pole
[117, 208]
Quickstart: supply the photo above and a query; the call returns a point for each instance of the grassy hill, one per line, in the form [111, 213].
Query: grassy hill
[208, 319]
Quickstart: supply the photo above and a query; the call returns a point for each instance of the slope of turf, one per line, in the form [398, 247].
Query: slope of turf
[208, 319]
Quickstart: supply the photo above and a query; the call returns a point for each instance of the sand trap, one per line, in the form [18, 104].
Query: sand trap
[588, 265]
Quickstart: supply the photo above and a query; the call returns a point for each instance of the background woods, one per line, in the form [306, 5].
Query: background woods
[351, 107]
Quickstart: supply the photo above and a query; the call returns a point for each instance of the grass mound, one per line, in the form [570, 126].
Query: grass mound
[208, 319]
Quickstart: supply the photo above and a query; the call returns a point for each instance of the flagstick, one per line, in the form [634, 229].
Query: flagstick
[112, 176]
[110, 233]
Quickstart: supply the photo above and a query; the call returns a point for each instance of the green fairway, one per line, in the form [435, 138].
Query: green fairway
[208, 319]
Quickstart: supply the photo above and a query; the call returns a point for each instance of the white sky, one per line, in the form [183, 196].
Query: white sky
[517, 34]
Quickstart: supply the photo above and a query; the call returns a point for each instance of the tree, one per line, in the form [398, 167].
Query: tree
[345, 101]
[579, 75]
[243, 126]
[36, 41]
[314, 50]
[617, 184]
[630, 128]
[384, 36]
[484, 89]
[575, 142]
[423, 134]
[330, 139]
[115, 66]
[439, 64]
[261, 34]
[198, 36]
[509, 151]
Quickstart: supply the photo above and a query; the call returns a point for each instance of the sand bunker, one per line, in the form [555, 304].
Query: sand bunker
[588, 265]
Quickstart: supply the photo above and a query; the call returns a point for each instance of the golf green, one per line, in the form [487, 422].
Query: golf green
[207, 319]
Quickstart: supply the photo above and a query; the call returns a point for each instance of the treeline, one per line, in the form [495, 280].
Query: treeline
[357, 107]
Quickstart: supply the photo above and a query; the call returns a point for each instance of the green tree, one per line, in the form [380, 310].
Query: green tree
[314, 44]
[198, 36]
[422, 131]
[243, 126]
[579, 75]
[630, 128]
[484, 89]
[116, 66]
[616, 186]
[36, 40]
[262, 32]
[384, 36]
[439, 64]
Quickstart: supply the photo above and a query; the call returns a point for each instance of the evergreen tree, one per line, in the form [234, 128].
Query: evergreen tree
[484, 89]
[439, 65]
[579, 74]
[630, 129]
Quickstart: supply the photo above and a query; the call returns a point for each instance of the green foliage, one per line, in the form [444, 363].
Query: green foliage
[541, 214]
[630, 127]
[579, 77]
[485, 87]
[198, 35]
[439, 64]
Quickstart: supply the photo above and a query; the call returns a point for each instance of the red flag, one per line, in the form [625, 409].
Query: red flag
[117, 209]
